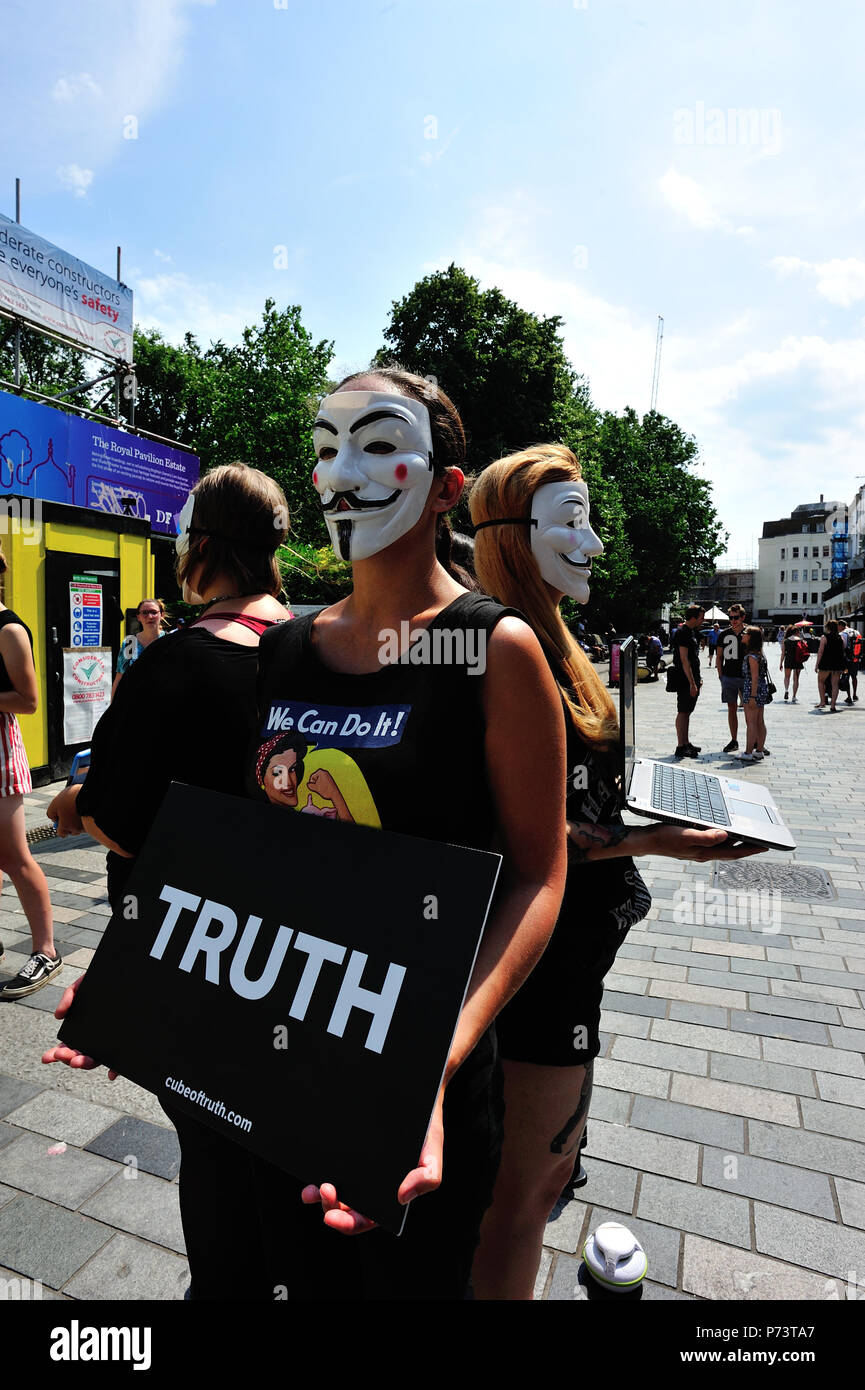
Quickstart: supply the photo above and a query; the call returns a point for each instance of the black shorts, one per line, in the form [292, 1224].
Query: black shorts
[685, 701]
[561, 996]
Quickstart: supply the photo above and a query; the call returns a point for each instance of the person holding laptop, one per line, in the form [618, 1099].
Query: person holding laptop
[534, 544]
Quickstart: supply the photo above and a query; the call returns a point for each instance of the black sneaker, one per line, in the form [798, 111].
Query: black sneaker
[731, 746]
[37, 971]
[693, 749]
[683, 751]
[786, 694]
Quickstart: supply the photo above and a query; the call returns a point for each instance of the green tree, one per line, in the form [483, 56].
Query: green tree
[47, 366]
[505, 368]
[175, 387]
[671, 524]
[252, 401]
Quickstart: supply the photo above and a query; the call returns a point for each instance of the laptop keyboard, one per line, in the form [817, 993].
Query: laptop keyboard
[684, 793]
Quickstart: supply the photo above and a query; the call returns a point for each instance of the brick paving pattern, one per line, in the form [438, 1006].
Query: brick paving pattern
[728, 1117]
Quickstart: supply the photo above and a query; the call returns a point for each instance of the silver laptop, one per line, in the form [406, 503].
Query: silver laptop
[686, 796]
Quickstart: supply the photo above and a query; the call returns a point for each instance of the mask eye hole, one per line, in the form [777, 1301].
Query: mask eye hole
[379, 446]
[326, 453]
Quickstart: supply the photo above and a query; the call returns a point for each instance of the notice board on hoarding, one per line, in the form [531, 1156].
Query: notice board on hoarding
[85, 612]
[54, 290]
[49, 454]
[86, 691]
[291, 982]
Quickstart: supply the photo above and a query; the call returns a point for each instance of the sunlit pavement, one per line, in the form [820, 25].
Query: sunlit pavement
[728, 1113]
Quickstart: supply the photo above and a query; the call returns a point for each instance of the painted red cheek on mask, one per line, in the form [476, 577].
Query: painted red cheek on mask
[400, 472]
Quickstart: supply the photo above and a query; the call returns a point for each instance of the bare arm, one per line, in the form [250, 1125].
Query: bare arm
[525, 755]
[93, 829]
[16, 653]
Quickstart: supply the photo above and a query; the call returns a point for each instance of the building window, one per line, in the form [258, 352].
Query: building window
[795, 552]
[815, 574]
[783, 600]
[813, 598]
[805, 552]
[794, 598]
[783, 576]
[825, 574]
[783, 552]
[794, 574]
[825, 550]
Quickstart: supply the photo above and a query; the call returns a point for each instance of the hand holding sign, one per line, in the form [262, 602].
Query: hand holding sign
[425, 1178]
[70, 1055]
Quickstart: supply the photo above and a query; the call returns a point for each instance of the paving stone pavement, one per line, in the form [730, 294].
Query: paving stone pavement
[728, 1116]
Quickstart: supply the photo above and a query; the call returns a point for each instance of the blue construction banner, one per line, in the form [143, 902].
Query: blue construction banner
[54, 290]
[47, 454]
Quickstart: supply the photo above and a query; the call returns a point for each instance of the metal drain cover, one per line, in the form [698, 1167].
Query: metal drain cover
[799, 882]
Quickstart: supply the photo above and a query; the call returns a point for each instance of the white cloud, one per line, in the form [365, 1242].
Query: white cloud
[161, 255]
[757, 470]
[686, 197]
[76, 179]
[175, 304]
[68, 88]
[842, 282]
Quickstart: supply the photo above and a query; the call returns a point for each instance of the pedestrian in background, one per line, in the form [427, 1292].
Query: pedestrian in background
[714, 637]
[794, 654]
[686, 661]
[729, 655]
[755, 695]
[654, 651]
[151, 615]
[831, 661]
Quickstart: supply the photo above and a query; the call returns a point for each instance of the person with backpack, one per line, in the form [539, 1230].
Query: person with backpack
[687, 681]
[794, 654]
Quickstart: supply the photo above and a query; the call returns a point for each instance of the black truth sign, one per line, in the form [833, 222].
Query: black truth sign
[293, 982]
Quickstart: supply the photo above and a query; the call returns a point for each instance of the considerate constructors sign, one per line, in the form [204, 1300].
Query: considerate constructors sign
[53, 290]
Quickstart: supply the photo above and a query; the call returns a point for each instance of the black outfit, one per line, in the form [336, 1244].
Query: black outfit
[603, 899]
[733, 651]
[834, 656]
[242, 1214]
[5, 618]
[793, 659]
[685, 640]
[184, 712]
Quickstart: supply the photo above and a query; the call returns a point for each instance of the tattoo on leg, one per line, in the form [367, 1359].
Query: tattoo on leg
[558, 1144]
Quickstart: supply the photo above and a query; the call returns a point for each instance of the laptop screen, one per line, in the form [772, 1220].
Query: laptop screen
[627, 733]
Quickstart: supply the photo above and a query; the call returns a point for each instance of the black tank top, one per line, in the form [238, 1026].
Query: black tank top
[401, 748]
[5, 618]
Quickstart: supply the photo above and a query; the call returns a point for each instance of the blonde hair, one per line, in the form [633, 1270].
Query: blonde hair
[507, 569]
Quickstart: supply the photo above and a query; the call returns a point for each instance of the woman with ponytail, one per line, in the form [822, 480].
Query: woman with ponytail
[533, 545]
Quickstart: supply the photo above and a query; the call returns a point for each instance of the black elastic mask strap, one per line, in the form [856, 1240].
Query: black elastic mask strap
[508, 521]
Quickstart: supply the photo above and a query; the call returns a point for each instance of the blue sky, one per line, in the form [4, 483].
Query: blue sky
[590, 161]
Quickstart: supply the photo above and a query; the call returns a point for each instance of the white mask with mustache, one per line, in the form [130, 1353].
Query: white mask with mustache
[373, 469]
[562, 540]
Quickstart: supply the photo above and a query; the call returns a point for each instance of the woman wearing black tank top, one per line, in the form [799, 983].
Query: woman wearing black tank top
[479, 758]
[533, 545]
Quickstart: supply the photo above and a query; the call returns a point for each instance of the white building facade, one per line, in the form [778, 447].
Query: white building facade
[795, 563]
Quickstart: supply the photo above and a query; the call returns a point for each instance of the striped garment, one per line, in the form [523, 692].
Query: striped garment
[14, 769]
